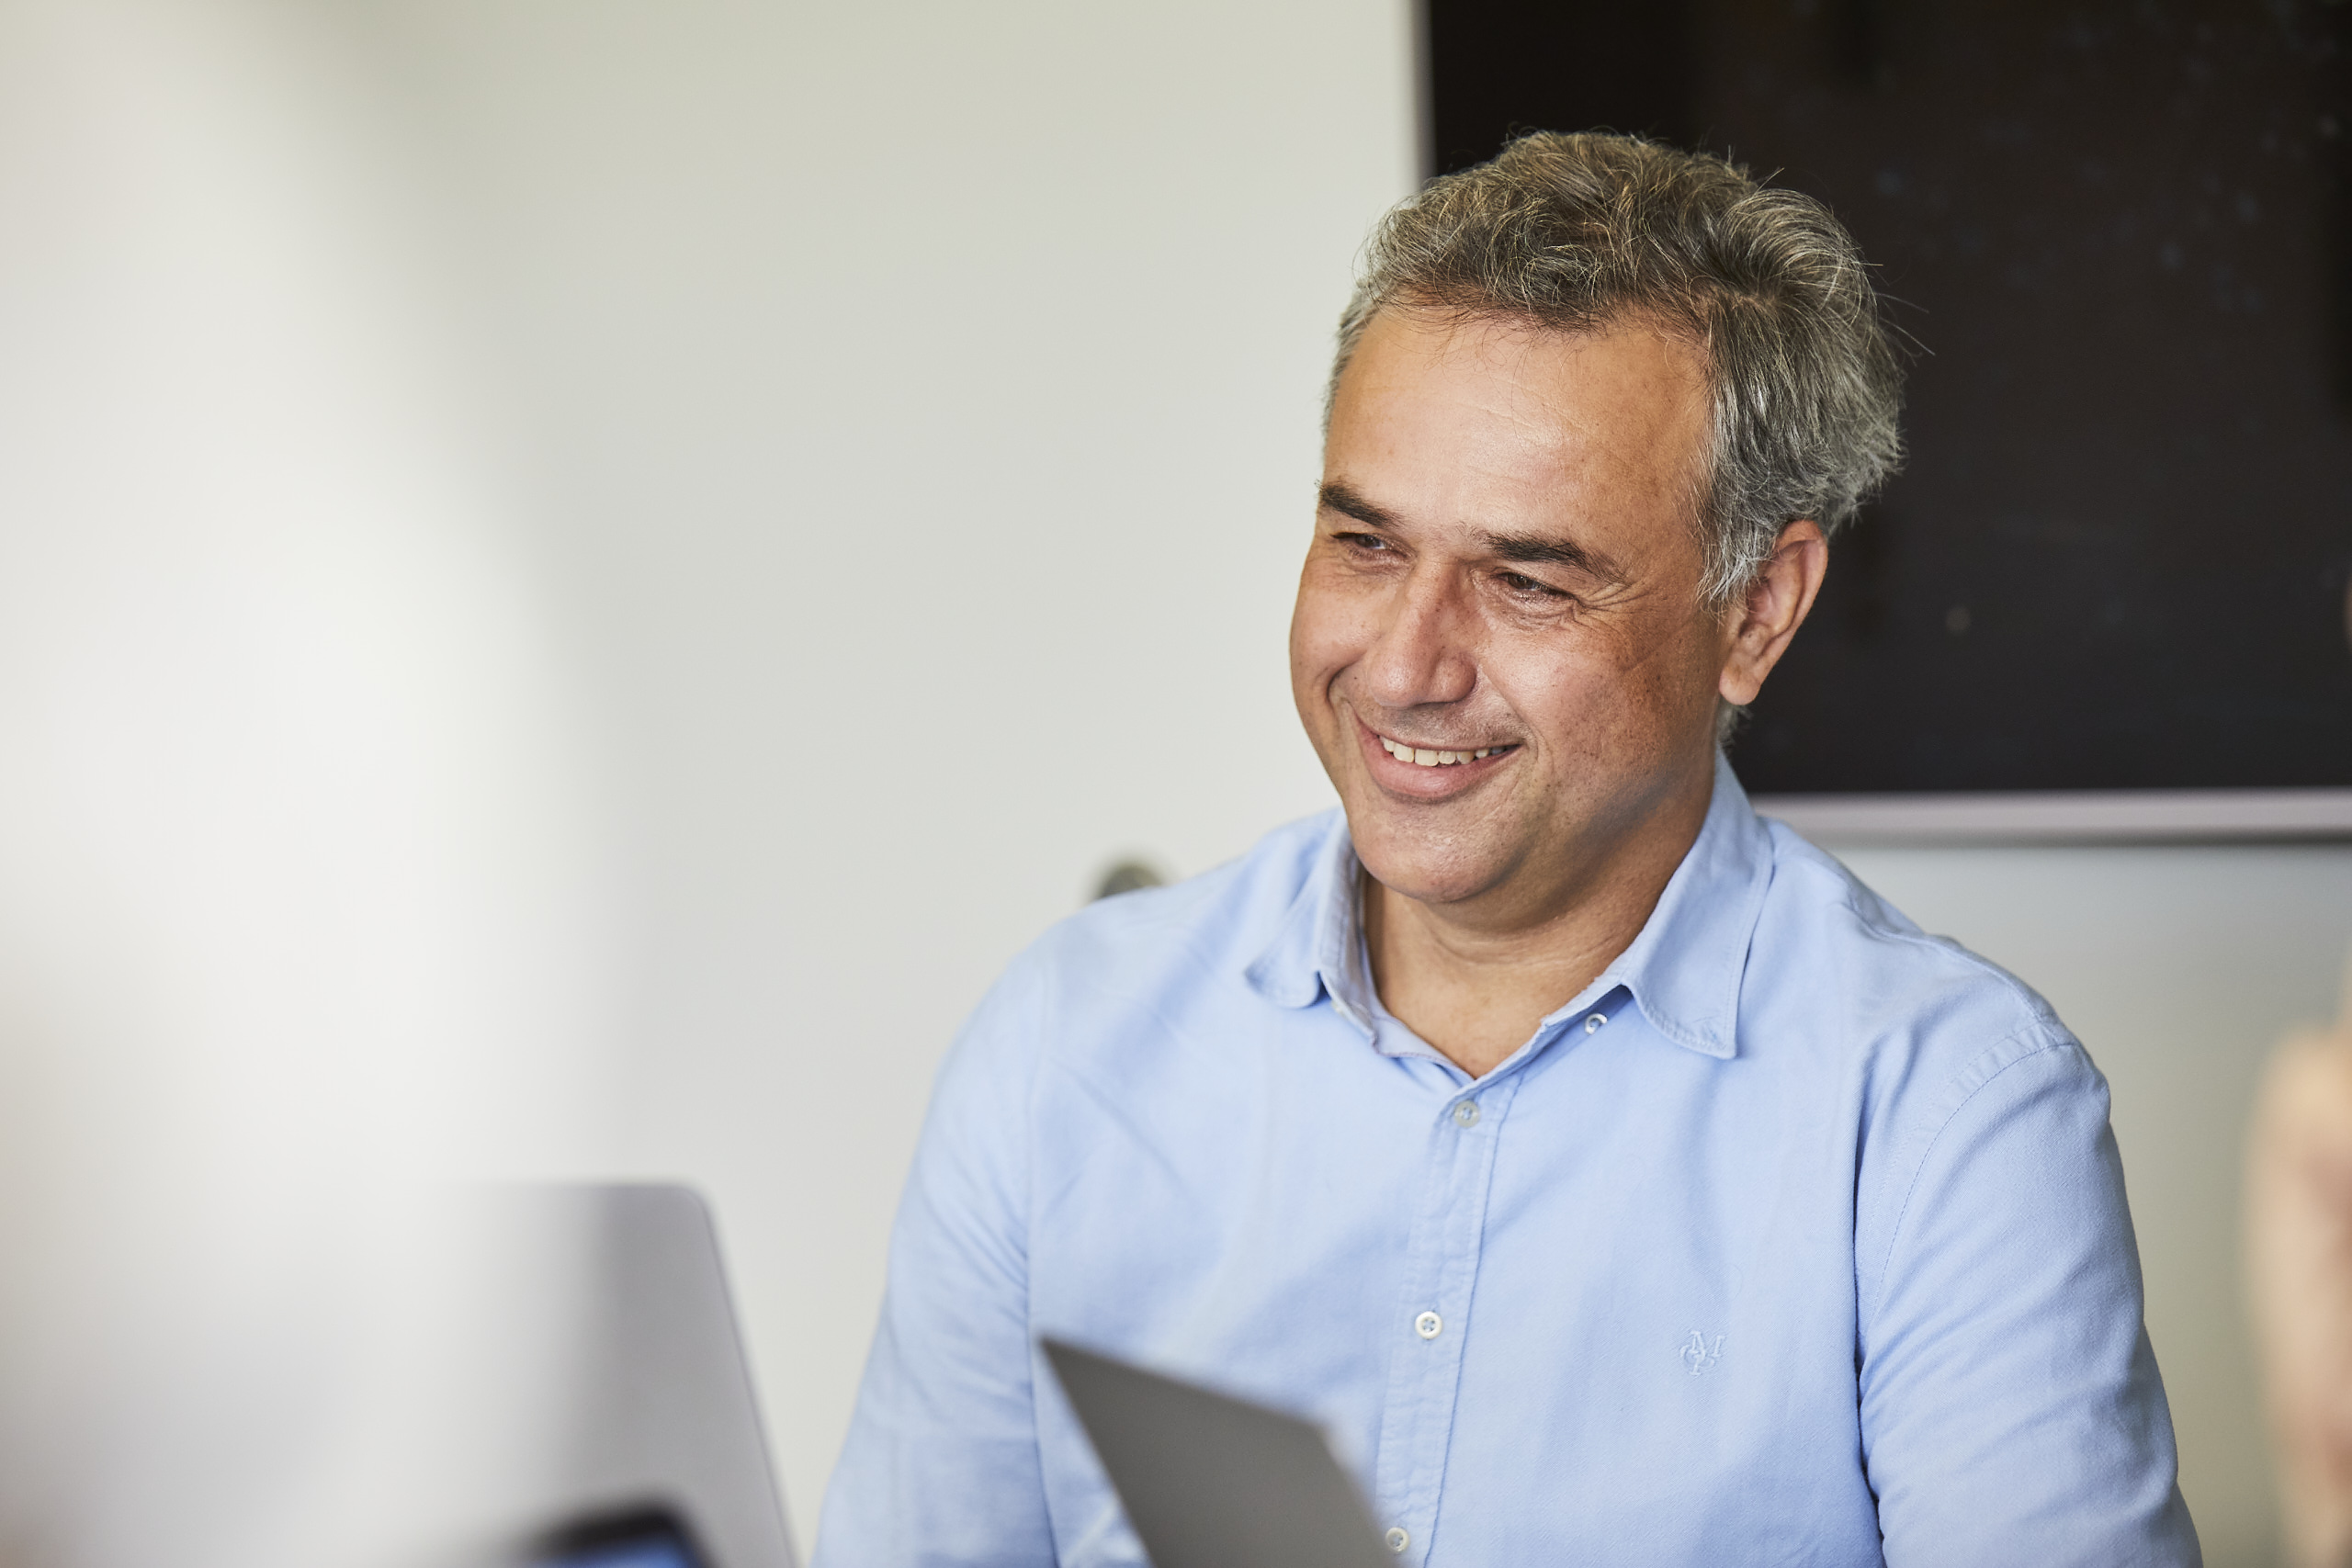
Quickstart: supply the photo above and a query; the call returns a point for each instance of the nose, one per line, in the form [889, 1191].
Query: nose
[1423, 652]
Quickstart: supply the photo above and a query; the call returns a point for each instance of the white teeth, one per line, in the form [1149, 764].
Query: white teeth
[1425, 758]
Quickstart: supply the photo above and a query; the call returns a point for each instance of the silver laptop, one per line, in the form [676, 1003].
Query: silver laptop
[1210, 1482]
[665, 1464]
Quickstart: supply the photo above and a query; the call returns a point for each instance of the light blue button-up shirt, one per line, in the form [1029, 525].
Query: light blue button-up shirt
[1798, 1236]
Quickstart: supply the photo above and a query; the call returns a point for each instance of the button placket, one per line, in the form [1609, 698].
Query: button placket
[1425, 1373]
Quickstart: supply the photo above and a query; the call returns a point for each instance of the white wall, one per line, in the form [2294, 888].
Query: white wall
[299, 894]
[919, 408]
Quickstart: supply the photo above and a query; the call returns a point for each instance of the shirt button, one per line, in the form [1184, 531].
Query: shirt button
[1396, 1537]
[1593, 1022]
[1429, 1325]
[1466, 1113]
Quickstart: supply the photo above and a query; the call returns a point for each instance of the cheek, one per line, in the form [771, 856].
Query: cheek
[1671, 699]
[1311, 656]
[1327, 627]
[1601, 699]
[1698, 667]
[1575, 710]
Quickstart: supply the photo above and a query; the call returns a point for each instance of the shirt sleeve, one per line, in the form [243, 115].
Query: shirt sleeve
[940, 1465]
[2010, 1406]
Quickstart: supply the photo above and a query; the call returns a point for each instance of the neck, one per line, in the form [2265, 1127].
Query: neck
[1477, 987]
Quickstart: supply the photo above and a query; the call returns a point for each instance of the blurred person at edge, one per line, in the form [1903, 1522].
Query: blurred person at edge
[2299, 1276]
[1618, 1179]
[296, 891]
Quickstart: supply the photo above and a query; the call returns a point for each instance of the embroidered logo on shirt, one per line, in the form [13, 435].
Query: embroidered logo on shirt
[1698, 1355]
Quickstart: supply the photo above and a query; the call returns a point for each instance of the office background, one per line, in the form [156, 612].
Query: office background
[901, 420]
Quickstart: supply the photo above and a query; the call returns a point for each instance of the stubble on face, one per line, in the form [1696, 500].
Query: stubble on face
[1505, 560]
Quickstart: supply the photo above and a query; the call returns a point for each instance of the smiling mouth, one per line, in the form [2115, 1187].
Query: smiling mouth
[1423, 757]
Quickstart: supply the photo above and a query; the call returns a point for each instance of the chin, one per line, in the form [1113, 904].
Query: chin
[1428, 867]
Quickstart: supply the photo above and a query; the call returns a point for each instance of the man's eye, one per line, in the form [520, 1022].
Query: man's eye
[1519, 583]
[1362, 541]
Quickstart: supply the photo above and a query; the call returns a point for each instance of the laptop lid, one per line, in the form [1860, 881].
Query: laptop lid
[661, 1460]
[1212, 1482]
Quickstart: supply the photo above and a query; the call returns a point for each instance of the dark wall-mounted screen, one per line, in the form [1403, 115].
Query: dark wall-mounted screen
[2120, 234]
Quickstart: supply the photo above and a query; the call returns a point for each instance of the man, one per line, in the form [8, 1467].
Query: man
[1620, 1180]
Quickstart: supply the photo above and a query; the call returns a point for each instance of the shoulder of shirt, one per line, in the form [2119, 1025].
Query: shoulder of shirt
[1218, 919]
[1915, 1028]
[1132, 966]
[1157, 944]
[1877, 979]
[1117, 970]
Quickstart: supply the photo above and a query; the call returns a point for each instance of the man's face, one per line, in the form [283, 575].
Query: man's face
[1505, 569]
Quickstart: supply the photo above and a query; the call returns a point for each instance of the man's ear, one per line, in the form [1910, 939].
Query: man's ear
[1776, 603]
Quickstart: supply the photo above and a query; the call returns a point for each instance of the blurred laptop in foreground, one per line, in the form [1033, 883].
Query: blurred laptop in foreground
[662, 1462]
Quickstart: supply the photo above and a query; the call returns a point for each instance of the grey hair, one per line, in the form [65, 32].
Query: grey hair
[1580, 232]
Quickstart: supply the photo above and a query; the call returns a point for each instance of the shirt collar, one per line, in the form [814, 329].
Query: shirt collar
[1309, 954]
[1684, 969]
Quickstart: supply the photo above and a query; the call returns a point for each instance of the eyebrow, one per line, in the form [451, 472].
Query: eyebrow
[1539, 550]
[1348, 504]
[1534, 550]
